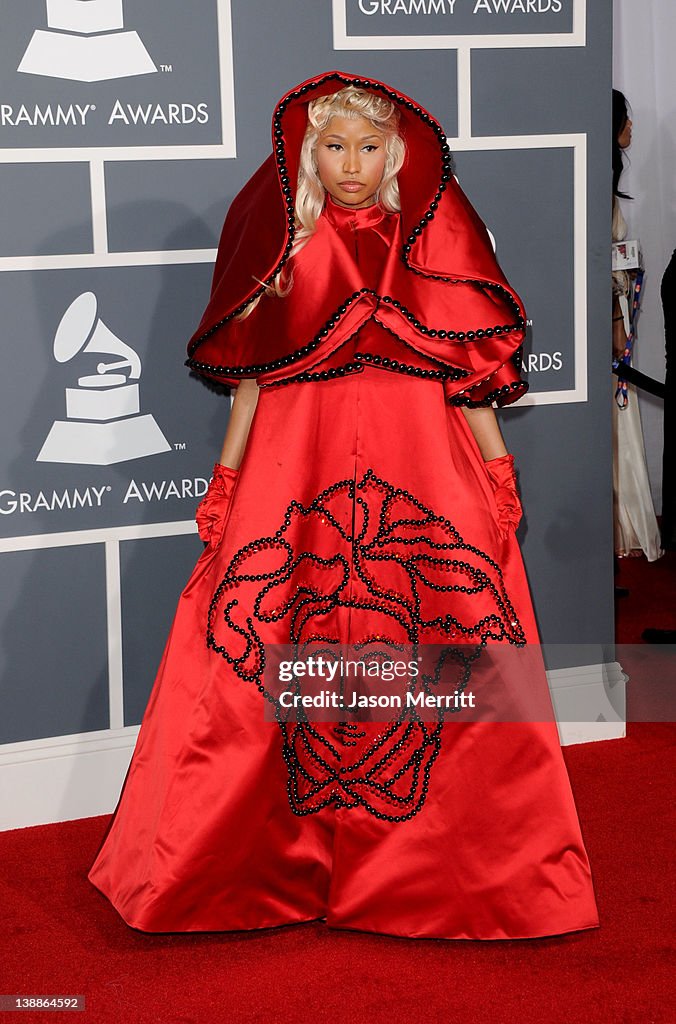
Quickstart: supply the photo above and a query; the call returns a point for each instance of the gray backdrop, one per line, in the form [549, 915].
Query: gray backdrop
[114, 192]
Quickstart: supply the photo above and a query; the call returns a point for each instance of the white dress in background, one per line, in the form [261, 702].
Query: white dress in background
[635, 523]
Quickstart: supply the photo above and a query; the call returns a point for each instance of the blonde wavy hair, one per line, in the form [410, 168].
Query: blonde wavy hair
[351, 103]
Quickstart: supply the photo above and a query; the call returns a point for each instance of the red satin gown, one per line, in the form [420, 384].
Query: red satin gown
[354, 497]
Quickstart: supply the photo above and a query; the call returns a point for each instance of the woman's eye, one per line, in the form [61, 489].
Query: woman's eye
[334, 145]
[371, 148]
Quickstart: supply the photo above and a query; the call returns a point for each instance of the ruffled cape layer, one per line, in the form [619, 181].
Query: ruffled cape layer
[442, 294]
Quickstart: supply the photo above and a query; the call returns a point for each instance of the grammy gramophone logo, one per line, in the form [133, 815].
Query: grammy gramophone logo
[86, 42]
[103, 422]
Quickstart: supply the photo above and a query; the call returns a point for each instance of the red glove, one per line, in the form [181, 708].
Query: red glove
[212, 512]
[503, 480]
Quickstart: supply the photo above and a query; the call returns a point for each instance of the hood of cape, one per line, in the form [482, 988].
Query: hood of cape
[444, 295]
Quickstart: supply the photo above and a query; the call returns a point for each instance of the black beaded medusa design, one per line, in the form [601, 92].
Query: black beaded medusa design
[370, 560]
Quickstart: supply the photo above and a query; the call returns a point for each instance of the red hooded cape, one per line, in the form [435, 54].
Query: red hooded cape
[442, 294]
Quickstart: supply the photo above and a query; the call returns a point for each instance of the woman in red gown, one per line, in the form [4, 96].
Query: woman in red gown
[364, 497]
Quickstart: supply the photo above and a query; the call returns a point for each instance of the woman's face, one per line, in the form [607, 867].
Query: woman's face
[350, 158]
[624, 138]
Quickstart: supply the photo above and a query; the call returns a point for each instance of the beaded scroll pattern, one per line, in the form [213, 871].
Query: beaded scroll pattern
[372, 552]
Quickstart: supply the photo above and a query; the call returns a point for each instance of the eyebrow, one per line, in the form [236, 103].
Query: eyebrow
[363, 138]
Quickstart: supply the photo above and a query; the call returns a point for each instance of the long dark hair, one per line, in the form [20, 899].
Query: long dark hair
[620, 118]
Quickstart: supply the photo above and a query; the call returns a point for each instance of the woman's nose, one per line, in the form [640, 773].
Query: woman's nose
[351, 162]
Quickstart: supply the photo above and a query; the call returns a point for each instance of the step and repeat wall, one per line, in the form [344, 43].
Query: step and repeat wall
[126, 128]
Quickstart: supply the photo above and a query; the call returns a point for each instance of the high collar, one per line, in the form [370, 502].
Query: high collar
[343, 216]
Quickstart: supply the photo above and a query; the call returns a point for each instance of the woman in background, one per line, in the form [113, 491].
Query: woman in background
[636, 529]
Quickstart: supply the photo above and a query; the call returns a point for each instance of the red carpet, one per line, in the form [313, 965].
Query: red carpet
[61, 936]
[651, 600]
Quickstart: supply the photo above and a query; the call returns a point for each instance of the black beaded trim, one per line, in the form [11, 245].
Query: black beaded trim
[320, 772]
[287, 190]
[463, 398]
[483, 332]
[456, 373]
[375, 360]
[233, 371]
[506, 389]
[414, 371]
[449, 335]
[339, 371]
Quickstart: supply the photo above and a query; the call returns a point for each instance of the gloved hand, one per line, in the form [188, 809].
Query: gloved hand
[213, 510]
[503, 481]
